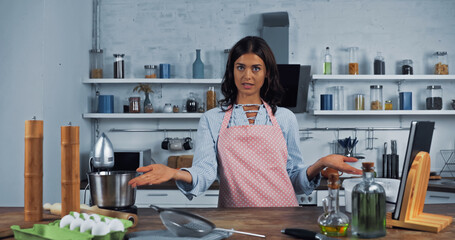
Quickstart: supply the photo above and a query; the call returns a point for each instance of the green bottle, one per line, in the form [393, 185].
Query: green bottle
[368, 206]
[327, 69]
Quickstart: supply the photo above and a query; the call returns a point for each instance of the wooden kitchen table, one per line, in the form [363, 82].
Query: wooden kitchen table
[270, 221]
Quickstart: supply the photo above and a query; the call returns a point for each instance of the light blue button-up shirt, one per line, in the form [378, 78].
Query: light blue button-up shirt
[205, 163]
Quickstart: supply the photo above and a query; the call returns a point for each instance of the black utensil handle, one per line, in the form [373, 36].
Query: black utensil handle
[299, 233]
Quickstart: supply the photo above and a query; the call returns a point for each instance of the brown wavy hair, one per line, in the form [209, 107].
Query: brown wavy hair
[271, 91]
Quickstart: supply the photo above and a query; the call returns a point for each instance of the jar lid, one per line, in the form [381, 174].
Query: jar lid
[150, 66]
[119, 55]
[441, 53]
[227, 50]
[407, 61]
[388, 101]
[376, 86]
[96, 50]
[434, 87]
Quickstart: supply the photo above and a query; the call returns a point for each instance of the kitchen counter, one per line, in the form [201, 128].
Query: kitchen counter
[270, 221]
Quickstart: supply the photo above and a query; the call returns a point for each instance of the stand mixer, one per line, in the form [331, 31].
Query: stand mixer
[109, 189]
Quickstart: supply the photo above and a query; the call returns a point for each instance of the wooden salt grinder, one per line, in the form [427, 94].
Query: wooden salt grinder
[33, 171]
[70, 169]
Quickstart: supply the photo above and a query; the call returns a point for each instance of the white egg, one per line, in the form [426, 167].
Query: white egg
[95, 217]
[100, 229]
[76, 214]
[66, 220]
[85, 216]
[116, 225]
[76, 223]
[87, 225]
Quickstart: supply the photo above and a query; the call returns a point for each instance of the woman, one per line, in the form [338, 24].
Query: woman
[249, 143]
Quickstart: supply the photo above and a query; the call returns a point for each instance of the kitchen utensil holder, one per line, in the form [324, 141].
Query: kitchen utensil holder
[411, 213]
[449, 162]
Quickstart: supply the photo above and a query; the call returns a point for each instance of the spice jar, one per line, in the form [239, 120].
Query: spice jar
[353, 63]
[359, 103]
[135, 104]
[376, 97]
[406, 68]
[441, 66]
[434, 97]
[96, 63]
[175, 109]
[150, 71]
[388, 105]
[191, 104]
[119, 65]
[211, 98]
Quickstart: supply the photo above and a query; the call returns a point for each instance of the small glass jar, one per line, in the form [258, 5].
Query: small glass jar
[359, 102]
[167, 108]
[376, 97]
[191, 104]
[388, 105]
[434, 97]
[135, 104]
[150, 71]
[353, 62]
[175, 109]
[406, 68]
[441, 66]
[96, 63]
[119, 65]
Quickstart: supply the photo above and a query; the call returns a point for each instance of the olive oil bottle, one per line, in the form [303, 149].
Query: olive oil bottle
[333, 222]
[368, 206]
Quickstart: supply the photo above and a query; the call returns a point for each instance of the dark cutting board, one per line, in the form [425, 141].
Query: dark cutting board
[17, 218]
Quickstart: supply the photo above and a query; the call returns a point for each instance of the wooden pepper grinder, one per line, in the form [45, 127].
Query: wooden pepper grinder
[33, 171]
[70, 169]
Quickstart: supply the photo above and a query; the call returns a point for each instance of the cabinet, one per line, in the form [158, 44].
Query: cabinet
[397, 82]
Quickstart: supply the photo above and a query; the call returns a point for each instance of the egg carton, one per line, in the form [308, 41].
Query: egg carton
[53, 231]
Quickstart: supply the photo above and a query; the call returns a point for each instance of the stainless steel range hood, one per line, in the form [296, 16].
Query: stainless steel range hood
[275, 31]
[294, 78]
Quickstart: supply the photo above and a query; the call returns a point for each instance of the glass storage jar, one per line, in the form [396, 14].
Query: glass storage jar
[441, 67]
[359, 102]
[434, 97]
[376, 97]
[191, 104]
[150, 71]
[135, 104]
[379, 65]
[353, 62]
[406, 68]
[96, 63]
[388, 105]
[119, 65]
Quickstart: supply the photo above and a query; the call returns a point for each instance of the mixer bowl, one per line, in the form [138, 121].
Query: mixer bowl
[110, 189]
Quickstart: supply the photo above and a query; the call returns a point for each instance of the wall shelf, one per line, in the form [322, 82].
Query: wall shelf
[384, 113]
[141, 115]
[383, 77]
[154, 80]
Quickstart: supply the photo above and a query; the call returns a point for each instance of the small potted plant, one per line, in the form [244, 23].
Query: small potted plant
[147, 89]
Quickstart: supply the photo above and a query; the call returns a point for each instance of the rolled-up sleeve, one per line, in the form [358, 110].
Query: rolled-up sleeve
[205, 165]
[295, 167]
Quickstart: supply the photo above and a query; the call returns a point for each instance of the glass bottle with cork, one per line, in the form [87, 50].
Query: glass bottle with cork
[368, 206]
[327, 65]
[333, 222]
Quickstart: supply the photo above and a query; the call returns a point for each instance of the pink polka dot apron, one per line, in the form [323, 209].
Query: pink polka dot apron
[252, 161]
